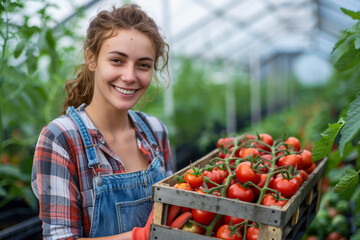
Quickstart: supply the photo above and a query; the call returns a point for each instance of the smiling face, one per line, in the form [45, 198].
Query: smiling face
[123, 70]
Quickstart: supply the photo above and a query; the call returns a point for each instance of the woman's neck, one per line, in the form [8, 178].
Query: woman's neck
[108, 119]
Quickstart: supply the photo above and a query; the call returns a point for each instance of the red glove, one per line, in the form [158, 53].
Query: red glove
[139, 233]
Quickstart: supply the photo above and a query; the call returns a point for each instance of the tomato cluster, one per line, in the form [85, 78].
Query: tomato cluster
[250, 168]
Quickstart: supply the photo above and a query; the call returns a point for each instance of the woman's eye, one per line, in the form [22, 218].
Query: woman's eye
[144, 66]
[116, 60]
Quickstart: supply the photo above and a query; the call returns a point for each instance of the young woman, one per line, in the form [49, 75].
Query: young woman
[94, 165]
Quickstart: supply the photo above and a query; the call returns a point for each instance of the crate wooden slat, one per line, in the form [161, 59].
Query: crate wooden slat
[279, 222]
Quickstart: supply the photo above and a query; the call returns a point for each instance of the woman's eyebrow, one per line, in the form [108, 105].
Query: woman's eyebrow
[126, 56]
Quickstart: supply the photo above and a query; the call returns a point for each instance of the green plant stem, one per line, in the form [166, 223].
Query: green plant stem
[209, 229]
[5, 37]
[3, 61]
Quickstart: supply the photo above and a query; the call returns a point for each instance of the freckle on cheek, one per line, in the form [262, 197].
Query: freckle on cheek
[131, 39]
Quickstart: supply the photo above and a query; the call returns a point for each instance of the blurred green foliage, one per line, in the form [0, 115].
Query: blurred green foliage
[33, 68]
[38, 56]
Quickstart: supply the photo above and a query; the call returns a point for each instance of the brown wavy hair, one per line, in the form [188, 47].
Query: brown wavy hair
[103, 26]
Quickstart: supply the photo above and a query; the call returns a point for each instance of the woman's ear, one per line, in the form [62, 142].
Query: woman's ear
[90, 60]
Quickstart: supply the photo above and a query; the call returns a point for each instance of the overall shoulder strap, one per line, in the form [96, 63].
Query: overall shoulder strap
[85, 136]
[150, 137]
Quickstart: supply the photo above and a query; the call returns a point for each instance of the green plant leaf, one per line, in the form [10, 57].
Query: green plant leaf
[324, 145]
[357, 43]
[10, 170]
[349, 59]
[352, 14]
[348, 180]
[19, 49]
[357, 220]
[356, 235]
[352, 125]
[3, 192]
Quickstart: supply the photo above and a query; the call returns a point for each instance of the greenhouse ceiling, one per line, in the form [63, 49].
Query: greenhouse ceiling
[235, 30]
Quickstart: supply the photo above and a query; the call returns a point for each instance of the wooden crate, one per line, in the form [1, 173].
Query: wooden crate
[289, 222]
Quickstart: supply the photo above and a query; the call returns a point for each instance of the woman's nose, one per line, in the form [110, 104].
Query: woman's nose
[128, 74]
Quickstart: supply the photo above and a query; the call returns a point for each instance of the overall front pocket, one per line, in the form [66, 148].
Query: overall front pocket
[133, 213]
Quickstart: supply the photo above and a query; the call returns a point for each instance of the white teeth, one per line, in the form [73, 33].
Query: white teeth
[123, 91]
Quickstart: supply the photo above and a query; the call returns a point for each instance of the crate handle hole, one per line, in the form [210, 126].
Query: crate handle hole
[158, 189]
[159, 199]
[273, 211]
[275, 221]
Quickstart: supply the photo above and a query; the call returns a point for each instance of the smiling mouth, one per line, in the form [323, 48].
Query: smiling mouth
[124, 91]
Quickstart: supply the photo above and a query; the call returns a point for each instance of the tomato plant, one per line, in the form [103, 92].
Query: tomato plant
[252, 233]
[214, 176]
[224, 233]
[270, 200]
[183, 185]
[236, 191]
[194, 177]
[287, 187]
[225, 142]
[261, 184]
[244, 173]
[293, 160]
[193, 228]
[234, 220]
[266, 138]
[203, 217]
[306, 159]
[246, 152]
[293, 142]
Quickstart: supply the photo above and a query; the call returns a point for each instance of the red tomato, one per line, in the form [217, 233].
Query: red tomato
[286, 187]
[298, 177]
[185, 209]
[269, 200]
[245, 173]
[184, 186]
[247, 137]
[311, 237]
[252, 233]
[266, 138]
[203, 191]
[221, 154]
[234, 220]
[292, 159]
[307, 158]
[333, 236]
[304, 175]
[214, 176]
[236, 191]
[224, 233]
[310, 169]
[225, 142]
[193, 228]
[294, 142]
[246, 152]
[194, 179]
[223, 173]
[203, 217]
[261, 184]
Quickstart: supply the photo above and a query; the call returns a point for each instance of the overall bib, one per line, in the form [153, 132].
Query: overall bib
[122, 201]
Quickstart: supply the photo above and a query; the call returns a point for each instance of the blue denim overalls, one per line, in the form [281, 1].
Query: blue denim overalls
[122, 201]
